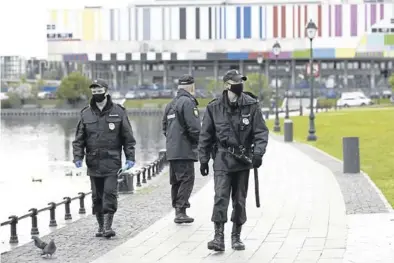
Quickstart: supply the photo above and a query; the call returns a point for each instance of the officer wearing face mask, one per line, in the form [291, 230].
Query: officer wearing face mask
[230, 126]
[181, 127]
[103, 130]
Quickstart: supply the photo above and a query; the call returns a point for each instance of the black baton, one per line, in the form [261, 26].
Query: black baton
[256, 187]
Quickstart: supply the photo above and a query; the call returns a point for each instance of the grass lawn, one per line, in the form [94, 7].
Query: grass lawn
[374, 127]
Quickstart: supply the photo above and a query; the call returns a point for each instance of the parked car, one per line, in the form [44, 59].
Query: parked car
[353, 99]
[131, 95]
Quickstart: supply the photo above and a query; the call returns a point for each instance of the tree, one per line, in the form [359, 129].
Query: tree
[391, 81]
[214, 86]
[73, 88]
[253, 85]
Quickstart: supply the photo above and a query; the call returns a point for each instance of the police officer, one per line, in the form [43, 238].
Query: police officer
[181, 127]
[234, 133]
[102, 131]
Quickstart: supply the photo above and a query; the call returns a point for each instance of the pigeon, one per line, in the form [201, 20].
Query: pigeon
[47, 248]
[38, 242]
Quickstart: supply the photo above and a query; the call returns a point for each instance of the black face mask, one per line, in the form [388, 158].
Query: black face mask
[237, 88]
[99, 97]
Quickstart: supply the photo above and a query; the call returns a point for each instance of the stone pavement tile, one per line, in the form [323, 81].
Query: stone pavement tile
[335, 243]
[331, 260]
[245, 255]
[282, 260]
[305, 255]
[333, 253]
[314, 242]
[266, 252]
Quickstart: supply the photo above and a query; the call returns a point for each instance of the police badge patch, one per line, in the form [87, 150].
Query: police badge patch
[111, 126]
[245, 121]
[195, 112]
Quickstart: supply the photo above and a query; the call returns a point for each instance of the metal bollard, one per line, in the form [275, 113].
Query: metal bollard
[14, 234]
[149, 167]
[82, 209]
[351, 155]
[163, 154]
[34, 227]
[138, 178]
[67, 214]
[52, 214]
[288, 130]
[143, 175]
[127, 185]
[266, 115]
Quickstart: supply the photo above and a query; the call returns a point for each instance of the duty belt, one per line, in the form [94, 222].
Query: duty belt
[233, 150]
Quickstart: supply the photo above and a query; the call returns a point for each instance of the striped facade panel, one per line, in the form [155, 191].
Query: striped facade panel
[217, 22]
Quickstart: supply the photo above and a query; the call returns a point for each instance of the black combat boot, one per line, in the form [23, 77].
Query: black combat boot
[236, 242]
[100, 221]
[217, 243]
[181, 217]
[108, 232]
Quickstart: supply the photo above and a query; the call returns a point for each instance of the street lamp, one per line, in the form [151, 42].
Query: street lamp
[287, 97]
[276, 50]
[260, 60]
[311, 30]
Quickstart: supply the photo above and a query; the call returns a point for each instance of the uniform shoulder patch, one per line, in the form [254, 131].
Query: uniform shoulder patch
[121, 106]
[196, 112]
[85, 108]
[212, 101]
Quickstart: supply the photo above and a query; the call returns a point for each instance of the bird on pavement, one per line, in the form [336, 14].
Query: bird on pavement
[47, 248]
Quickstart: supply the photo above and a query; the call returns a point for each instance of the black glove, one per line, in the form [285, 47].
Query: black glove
[257, 161]
[204, 169]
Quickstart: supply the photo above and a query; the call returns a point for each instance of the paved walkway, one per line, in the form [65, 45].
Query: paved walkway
[302, 219]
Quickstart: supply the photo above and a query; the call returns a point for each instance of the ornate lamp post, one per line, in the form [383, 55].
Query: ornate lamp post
[276, 50]
[311, 30]
[260, 60]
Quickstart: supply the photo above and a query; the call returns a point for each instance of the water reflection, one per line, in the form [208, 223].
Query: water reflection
[41, 148]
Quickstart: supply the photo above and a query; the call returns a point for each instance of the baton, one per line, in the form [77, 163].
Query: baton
[256, 187]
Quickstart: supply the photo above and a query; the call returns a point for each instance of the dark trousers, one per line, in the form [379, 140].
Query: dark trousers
[182, 182]
[235, 183]
[104, 194]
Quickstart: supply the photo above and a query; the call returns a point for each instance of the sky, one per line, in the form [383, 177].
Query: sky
[23, 24]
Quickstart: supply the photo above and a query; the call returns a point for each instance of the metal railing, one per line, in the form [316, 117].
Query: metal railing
[125, 185]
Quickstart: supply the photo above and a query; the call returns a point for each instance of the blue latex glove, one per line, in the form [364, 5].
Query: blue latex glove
[129, 165]
[78, 164]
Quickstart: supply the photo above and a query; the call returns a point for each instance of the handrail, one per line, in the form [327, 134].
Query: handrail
[125, 181]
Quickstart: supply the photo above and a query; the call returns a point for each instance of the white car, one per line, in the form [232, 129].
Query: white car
[354, 101]
[131, 95]
[43, 94]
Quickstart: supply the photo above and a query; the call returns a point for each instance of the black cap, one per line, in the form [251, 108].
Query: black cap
[233, 75]
[186, 80]
[98, 83]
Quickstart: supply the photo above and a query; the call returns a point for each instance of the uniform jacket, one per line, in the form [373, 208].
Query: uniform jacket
[100, 136]
[217, 136]
[181, 127]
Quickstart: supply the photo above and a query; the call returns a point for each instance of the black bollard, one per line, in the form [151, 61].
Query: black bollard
[127, 185]
[149, 167]
[143, 175]
[34, 227]
[14, 235]
[52, 214]
[67, 214]
[351, 155]
[138, 178]
[163, 154]
[288, 130]
[82, 209]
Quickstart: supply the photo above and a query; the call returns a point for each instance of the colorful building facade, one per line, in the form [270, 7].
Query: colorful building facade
[220, 31]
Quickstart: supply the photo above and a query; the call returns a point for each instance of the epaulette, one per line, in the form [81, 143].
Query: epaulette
[251, 94]
[86, 107]
[212, 101]
[121, 106]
